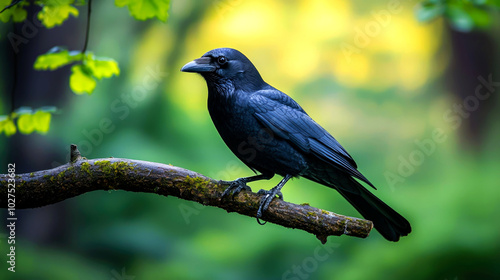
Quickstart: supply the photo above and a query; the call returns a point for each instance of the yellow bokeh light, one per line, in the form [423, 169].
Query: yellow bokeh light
[322, 20]
[354, 72]
[251, 21]
[376, 48]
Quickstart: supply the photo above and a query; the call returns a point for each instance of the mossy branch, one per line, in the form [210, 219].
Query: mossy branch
[80, 176]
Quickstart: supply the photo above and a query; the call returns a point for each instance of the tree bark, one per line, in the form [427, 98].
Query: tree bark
[80, 175]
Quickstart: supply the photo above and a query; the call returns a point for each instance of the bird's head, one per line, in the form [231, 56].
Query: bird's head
[225, 65]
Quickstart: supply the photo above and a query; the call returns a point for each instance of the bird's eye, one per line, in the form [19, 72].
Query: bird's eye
[222, 60]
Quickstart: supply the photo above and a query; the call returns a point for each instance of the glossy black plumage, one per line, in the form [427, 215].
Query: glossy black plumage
[272, 134]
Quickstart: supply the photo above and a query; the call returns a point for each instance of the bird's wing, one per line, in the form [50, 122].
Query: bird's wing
[286, 119]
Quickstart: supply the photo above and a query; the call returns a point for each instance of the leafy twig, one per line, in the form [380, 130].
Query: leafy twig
[12, 4]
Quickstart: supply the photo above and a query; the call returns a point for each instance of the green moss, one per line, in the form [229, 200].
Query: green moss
[104, 166]
[86, 167]
[197, 183]
[324, 212]
[32, 174]
[112, 168]
[305, 204]
[123, 166]
[310, 214]
[61, 174]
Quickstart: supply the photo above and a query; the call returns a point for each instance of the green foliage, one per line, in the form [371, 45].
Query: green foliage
[81, 80]
[87, 68]
[55, 58]
[83, 75]
[55, 12]
[463, 15]
[145, 9]
[16, 11]
[7, 126]
[28, 121]
[102, 67]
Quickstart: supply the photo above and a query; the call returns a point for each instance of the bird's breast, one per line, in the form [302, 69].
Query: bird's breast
[252, 142]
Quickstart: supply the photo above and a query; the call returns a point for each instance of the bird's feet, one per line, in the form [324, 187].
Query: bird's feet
[266, 200]
[235, 186]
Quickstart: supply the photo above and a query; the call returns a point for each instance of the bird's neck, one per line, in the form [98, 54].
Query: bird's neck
[221, 96]
[221, 92]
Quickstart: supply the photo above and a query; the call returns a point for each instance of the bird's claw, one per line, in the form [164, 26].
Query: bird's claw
[235, 186]
[279, 193]
[266, 201]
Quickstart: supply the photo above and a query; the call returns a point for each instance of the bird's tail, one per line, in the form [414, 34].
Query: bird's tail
[385, 219]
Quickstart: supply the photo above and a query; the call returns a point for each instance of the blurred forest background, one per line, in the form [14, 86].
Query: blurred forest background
[400, 95]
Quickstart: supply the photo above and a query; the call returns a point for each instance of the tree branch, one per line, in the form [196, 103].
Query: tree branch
[46, 187]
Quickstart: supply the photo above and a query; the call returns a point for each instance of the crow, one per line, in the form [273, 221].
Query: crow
[271, 133]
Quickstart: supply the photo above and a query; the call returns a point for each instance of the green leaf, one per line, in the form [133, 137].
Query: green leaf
[25, 124]
[81, 80]
[53, 14]
[17, 12]
[145, 9]
[103, 67]
[27, 121]
[41, 121]
[53, 59]
[8, 127]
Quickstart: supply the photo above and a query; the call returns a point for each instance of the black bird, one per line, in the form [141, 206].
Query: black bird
[272, 134]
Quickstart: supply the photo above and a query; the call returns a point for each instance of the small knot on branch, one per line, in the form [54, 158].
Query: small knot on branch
[74, 154]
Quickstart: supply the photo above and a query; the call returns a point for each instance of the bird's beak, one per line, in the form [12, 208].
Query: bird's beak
[199, 65]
